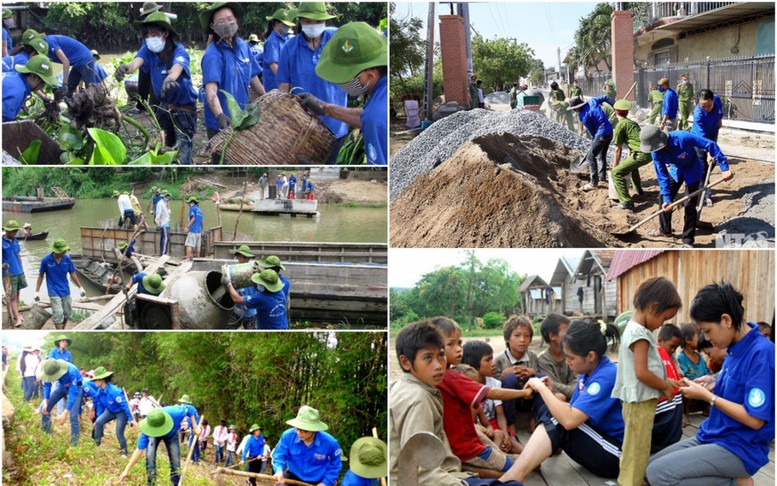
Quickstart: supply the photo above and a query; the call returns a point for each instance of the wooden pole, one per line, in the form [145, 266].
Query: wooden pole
[134, 424]
[266, 477]
[375, 434]
[183, 211]
[242, 201]
[191, 449]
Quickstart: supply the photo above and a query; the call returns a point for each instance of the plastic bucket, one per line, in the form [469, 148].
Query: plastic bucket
[240, 273]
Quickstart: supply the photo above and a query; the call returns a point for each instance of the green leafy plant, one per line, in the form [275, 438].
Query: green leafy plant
[31, 153]
[241, 119]
[108, 148]
[154, 157]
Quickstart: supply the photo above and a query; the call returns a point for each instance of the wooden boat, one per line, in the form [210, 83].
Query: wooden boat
[98, 274]
[33, 237]
[31, 204]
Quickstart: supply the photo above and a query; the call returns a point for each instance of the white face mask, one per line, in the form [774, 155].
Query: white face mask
[685, 81]
[155, 44]
[314, 31]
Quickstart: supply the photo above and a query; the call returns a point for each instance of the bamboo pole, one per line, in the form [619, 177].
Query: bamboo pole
[191, 449]
[242, 201]
[266, 477]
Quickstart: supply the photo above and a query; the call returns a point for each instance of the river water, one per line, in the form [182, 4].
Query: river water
[336, 224]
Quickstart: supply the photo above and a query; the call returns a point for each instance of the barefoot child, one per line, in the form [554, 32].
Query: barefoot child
[516, 365]
[552, 361]
[641, 378]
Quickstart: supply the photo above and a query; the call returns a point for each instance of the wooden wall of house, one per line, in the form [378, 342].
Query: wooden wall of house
[610, 290]
[569, 293]
[751, 271]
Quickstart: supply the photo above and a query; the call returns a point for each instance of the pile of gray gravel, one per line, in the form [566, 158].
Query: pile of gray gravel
[443, 138]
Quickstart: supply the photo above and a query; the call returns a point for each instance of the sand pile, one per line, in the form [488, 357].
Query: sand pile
[504, 191]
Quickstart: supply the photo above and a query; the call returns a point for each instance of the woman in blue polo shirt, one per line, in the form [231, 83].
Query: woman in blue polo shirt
[590, 427]
[733, 443]
[276, 36]
[167, 61]
[111, 404]
[24, 80]
[297, 66]
[269, 300]
[69, 386]
[76, 59]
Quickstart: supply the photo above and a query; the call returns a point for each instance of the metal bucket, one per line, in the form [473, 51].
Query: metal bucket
[203, 303]
[240, 273]
[36, 318]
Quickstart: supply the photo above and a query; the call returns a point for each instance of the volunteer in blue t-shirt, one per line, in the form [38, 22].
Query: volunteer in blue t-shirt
[356, 59]
[110, 404]
[676, 161]
[670, 106]
[76, 59]
[297, 66]
[269, 300]
[707, 121]
[69, 385]
[55, 267]
[593, 118]
[23, 53]
[590, 427]
[193, 228]
[256, 50]
[243, 315]
[733, 443]
[24, 80]
[227, 65]
[13, 271]
[167, 61]
[275, 38]
[7, 22]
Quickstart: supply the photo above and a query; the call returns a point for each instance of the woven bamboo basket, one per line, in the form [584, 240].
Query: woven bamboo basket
[285, 134]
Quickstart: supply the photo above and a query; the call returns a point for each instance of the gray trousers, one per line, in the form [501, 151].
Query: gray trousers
[690, 463]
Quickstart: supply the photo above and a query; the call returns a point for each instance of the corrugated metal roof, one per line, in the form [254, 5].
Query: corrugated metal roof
[531, 281]
[625, 260]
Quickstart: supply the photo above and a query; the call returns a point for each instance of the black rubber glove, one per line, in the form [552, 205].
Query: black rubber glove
[312, 103]
[169, 85]
[121, 71]
[224, 121]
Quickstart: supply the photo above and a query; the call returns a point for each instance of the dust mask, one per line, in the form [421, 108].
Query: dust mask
[354, 88]
[314, 31]
[225, 31]
[155, 44]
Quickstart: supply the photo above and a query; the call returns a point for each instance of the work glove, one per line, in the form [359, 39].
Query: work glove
[225, 280]
[169, 85]
[50, 104]
[121, 71]
[83, 293]
[58, 92]
[312, 103]
[224, 121]
[37, 297]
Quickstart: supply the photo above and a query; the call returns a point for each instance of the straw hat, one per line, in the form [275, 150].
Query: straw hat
[307, 419]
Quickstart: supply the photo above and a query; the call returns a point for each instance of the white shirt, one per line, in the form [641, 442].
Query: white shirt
[220, 434]
[125, 204]
[205, 433]
[231, 442]
[30, 363]
[243, 444]
[480, 95]
[162, 215]
[146, 405]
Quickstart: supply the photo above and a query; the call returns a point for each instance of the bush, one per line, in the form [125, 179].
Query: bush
[493, 320]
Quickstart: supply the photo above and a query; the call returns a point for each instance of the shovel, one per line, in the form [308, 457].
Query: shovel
[710, 165]
[672, 206]
[578, 165]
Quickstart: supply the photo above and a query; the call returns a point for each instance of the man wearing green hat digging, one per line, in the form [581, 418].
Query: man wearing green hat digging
[55, 267]
[110, 404]
[368, 460]
[356, 59]
[275, 37]
[162, 425]
[13, 271]
[68, 378]
[269, 300]
[17, 86]
[243, 315]
[307, 453]
[60, 351]
[297, 66]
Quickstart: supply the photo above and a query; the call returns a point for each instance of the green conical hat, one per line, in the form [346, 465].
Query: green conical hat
[355, 47]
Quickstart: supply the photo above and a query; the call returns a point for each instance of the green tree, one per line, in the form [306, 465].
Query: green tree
[537, 73]
[499, 62]
[443, 292]
[408, 52]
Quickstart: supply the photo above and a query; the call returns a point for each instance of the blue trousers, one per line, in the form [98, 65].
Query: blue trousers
[74, 408]
[230, 459]
[196, 445]
[121, 423]
[164, 240]
[173, 453]
[28, 386]
[219, 453]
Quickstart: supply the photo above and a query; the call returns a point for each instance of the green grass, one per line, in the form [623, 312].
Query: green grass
[475, 333]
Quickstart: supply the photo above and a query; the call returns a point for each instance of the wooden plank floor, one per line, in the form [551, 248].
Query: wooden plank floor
[560, 470]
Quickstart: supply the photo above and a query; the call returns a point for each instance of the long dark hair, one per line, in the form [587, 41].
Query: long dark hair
[26, 48]
[585, 335]
[270, 28]
[166, 56]
[717, 299]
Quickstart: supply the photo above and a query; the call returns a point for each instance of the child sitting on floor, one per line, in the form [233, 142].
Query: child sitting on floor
[552, 361]
[692, 366]
[516, 365]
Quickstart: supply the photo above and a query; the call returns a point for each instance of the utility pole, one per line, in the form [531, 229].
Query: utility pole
[464, 12]
[429, 73]
[558, 55]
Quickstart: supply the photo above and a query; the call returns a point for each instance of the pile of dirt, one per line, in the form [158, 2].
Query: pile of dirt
[504, 191]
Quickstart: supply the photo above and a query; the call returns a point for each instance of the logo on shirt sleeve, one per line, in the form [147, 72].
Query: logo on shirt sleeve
[594, 388]
[756, 397]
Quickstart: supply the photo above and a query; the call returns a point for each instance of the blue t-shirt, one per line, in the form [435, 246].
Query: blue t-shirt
[178, 413]
[292, 182]
[594, 118]
[90, 389]
[72, 380]
[100, 72]
[241, 308]
[15, 91]
[232, 69]
[56, 274]
[78, 54]
[680, 160]
[254, 447]
[17, 60]
[63, 355]
[7, 39]
[154, 201]
[670, 105]
[112, 399]
[706, 124]
[257, 51]
[185, 94]
[11, 250]
[270, 309]
[272, 54]
[747, 378]
[138, 279]
[593, 397]
[353, 479]
[297, 66]
[196, 213]
[320, 462]
[374, 124]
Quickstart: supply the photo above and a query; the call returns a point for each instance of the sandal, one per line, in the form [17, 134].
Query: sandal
[590, 186]
[657, 232]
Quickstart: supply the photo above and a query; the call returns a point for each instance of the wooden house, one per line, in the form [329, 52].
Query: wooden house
[596, 296]
[750, 271]
[563, 280]
[537, 297]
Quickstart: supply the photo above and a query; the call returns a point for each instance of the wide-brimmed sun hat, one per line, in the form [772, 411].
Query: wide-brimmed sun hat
[207, 14]
[26, 225]
[59, 246]
[651, 139]
[308, 419]
[157, 423]
[268, 279]
[253, 428]
[52, 370]
[185, 399]
[368, 458]
[100, 373]
[11, 225]
[62, 337]
[153, 283]
[122, 245]
[30, 34]
[271, 261]
[41, 66]
[158, 19]
[253, 38]
[283, 15]
[192, 199]
[312, 11]
[575, 102]
[40, 45]
[355, 47]
[244, 250]
[7, 13]
[149, 7]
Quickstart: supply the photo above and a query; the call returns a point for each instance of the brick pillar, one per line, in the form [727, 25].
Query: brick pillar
[454, 59]
[622, 27]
